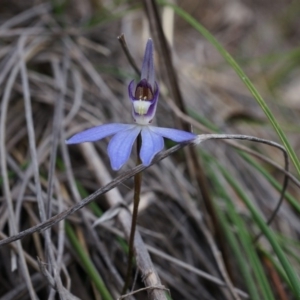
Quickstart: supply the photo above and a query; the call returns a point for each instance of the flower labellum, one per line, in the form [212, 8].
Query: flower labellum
[144, 97]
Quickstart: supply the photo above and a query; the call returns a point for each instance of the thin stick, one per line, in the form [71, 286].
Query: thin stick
[129, 174]
[123, 43]
[115, 182]
[57, 123]
[136, 201]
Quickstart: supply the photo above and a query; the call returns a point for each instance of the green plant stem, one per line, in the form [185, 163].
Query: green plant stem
[136, 201]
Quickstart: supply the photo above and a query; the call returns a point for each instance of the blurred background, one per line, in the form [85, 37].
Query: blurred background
[63, 69]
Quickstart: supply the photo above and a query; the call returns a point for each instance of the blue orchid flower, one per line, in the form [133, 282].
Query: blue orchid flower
[144, 98]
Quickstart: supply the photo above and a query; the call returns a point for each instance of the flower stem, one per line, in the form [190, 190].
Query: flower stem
[136, 200]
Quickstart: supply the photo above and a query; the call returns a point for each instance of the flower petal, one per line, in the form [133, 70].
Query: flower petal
[97, 133]
[147, 67]
[119, 147]
[173, 134]
[152, 143]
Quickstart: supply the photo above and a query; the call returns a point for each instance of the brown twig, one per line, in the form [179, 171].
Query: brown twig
[131, 60]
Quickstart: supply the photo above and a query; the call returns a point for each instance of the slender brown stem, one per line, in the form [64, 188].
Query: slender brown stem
[136, 200]
[131, 60]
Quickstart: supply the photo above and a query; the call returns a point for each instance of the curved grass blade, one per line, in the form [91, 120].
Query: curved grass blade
[291, 274]
[247, 246]
[292, 200]
[194, 23]
[234, 245]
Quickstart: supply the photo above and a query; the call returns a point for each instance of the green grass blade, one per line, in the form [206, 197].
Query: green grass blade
[292, 276]
[236, 248]
[245, 239]
[87, 263]
[194, 23]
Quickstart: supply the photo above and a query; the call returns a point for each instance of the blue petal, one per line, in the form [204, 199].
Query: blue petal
[119, 147]
[97, 133]
[148, 67]
[151, 145]
[173, 134]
